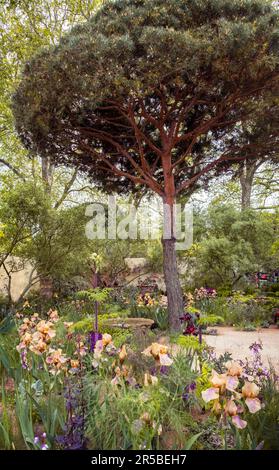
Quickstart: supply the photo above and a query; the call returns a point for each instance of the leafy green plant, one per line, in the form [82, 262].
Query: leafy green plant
[207, 320]
[130, 418]
[190, 343]
[247, 326]
[5, 424]
[85, 325]
[160, 316]
[94, 295]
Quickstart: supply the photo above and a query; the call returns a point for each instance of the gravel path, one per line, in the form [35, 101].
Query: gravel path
[238, 342]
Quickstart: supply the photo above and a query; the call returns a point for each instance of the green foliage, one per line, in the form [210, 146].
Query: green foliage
[130, 60]
[86, 324]
[21, 211]
[160, 316]
[120, 335]
[263, 428]
[5, 425]
[37, 399]
[114, 414]
[232, 244]
[94, 295]
[7, 324]
[246, 326]
[191, 343]
[52, 241]
[157, 313]
[241, 309]
[206, 320]
[182, 372]
[9, 360]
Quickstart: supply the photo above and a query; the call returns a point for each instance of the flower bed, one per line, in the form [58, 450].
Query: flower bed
[68, 389]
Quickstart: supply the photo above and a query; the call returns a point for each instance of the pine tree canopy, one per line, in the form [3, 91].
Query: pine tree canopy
[150, 88]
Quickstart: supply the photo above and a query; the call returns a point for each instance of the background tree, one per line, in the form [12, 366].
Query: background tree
[141, 94]
[260, 144]
[25, 27]
[49, 241]
[231, 245]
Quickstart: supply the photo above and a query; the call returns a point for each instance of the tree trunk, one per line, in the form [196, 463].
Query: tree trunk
[47, 170]
[46, 282]
[246, 191]
[46, 287]
[246, 178]
[173, 287]
[9, 285]
[174, 291]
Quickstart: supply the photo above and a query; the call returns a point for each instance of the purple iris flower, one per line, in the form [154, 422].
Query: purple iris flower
[186, 317]
[187, 391]
[163, 370]
[23, 356]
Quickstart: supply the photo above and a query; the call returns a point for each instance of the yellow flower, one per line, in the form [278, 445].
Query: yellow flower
[155, 350]
[234, 369]
[26, 338]
[159, 352]
[56, 358]
[81, 349]
[46, 328]
[217, 408]
[106, 339]
[218, 380]
[250, 390]
[122, 354]
[149, 380]
[38, 347]
[74, 363]
[231, 408]
[125, 371]
[53, 315]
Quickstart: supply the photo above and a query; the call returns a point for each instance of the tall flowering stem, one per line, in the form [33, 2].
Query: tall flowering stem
[74, 436]
[230, 396]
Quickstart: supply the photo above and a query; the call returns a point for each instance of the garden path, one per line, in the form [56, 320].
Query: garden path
[238, 342]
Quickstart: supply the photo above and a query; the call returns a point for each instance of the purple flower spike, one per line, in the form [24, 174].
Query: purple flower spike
[187, 391]
[256, 347]
[193, 386]
[93, 338]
